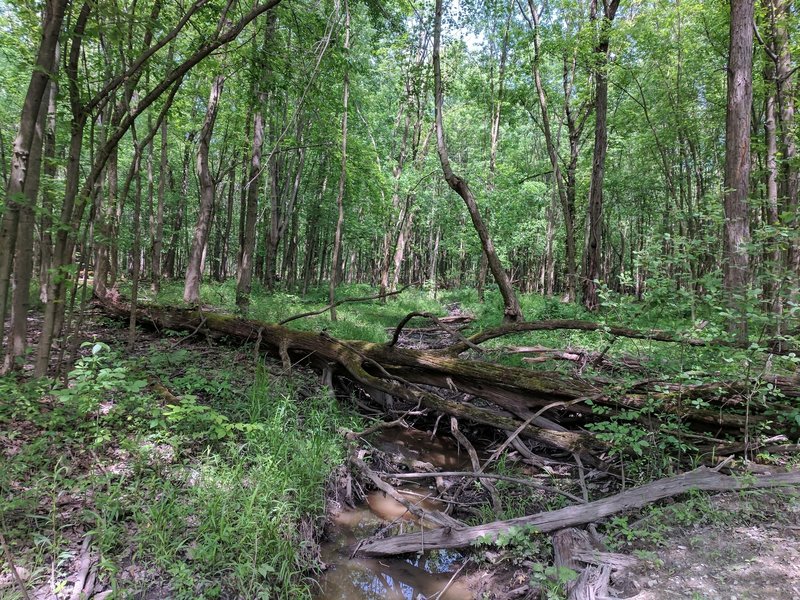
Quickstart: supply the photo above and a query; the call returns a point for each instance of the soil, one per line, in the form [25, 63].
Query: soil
[753, 553]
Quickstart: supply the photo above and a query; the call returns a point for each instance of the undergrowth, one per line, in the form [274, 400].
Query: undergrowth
[215, 491]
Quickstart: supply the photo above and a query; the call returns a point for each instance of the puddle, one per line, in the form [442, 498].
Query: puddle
[393, 578]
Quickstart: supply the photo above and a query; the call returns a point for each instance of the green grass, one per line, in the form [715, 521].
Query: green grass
[219, 495]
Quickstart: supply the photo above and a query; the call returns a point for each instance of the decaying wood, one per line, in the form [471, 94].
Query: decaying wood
[378, 366]
[577, 325]
[526, 482]
[85, 563]
[702, 478]
[514, 394]
[574, 549]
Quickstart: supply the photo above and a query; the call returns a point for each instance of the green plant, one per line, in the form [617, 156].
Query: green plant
[552, 580]
[521, 543]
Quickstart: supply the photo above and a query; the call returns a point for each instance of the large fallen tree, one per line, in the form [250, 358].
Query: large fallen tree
[489, 394]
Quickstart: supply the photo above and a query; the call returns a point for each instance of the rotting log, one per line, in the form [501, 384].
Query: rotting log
[369, 364]
[702, 478]
[514, 393]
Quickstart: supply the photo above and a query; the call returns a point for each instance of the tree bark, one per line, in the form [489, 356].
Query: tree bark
[737, 164]
[158, 230]
[337, 239]
[23, 259]
[594, 219]
[512, 311]
[40, 76]
[191, 290]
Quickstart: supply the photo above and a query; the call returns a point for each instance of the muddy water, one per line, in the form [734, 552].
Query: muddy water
[393, 579]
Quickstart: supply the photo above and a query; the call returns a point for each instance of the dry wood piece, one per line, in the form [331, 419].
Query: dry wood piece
[702, 478]
[574, 549]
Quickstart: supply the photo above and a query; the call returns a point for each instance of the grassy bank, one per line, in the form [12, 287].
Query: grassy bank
[210, 486]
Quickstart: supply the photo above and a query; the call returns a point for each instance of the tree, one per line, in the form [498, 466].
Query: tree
[511, 311]
[736, 259]
[20, 171]
[594, 219]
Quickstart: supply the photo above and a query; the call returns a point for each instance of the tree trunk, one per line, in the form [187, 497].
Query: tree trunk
[23, 143]
[23, 260]
[512, 311]
[594, 219]
[191, 290]
[737, 164]
[158, 230]
[177, 223]
[567, 208]
[136, 250]
[337, 239]
[49, 170]
[789, 182]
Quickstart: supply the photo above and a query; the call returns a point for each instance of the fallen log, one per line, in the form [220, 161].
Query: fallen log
[369, 364]
[402, 372]
[702, 478]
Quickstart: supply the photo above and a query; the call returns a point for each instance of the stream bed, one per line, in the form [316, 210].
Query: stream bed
[425, 574]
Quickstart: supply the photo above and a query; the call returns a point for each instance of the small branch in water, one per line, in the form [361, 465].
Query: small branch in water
[441, 593]
[435, 517]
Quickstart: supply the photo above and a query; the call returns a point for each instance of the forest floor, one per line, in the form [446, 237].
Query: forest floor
[190, 469]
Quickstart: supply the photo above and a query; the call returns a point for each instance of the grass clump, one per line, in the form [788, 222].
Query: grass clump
[216, 491]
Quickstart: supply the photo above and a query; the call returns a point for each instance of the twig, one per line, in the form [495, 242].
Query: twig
[342, 301]
[196, 329]
[435, 517]
[522, 427]
[441, 593]
[398, 422]
[12, 566]
[581, 477]
[527, 482]
[476, 464]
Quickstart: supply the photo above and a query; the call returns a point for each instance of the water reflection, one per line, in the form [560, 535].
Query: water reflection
[392, 578]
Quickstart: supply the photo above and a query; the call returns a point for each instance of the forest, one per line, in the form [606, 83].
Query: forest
[362, 299]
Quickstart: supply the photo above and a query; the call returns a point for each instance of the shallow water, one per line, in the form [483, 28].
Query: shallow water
[392, 578]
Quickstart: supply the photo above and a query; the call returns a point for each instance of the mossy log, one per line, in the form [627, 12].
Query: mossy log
[372, 366]
[515, 394]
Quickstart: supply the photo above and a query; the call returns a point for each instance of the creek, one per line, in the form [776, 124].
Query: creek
[425, 574]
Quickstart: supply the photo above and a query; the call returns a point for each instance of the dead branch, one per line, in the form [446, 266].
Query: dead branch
[439, 324]
[526, 482]
[702, 478]
[577, 325]
[435, 517]
[340, 302]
